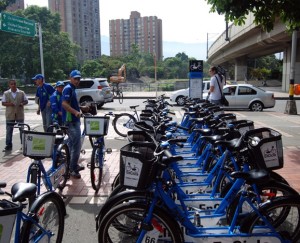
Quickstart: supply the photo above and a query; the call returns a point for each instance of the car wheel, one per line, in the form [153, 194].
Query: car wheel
[99, 106]
[86, 99]
[256, 106]
[180, 100]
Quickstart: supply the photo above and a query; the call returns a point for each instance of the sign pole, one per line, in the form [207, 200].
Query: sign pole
[41, 49]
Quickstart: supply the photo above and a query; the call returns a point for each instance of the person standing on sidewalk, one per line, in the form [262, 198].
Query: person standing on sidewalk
[43, 93]
[216, 86]
[56, 100]
[14, 101]
[71, 118]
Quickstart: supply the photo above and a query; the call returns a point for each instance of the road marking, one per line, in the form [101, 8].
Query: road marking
[282, 132]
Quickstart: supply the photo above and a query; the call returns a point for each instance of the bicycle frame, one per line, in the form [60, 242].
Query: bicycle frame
[209, 234]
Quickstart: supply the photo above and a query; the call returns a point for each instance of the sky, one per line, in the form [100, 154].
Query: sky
[186, 21]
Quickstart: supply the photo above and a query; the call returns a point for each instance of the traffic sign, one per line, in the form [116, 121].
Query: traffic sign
[17, 25]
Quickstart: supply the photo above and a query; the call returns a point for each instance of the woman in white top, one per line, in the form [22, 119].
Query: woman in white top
[216, 86]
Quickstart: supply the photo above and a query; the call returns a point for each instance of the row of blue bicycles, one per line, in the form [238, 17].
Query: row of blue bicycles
[210, 178]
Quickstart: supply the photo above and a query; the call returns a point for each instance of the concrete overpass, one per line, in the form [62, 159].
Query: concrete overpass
[250, 41]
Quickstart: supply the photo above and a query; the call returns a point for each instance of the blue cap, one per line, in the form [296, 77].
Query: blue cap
[38, 76]
[75, 74]
[59, 83]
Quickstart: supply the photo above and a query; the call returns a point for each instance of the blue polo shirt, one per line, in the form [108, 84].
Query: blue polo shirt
[70, 96]
[44, 92]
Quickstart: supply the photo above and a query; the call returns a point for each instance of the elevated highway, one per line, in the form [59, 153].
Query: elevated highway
[250, 41]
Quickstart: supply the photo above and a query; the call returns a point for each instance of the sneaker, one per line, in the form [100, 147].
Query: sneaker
[75, 174]
[80, 167]
[7, 148]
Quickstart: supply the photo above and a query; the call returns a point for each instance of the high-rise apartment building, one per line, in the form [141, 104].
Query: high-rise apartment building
[81, 19]
[19, 4]
[145, 32]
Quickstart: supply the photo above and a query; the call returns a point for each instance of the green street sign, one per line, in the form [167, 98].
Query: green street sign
[17, 25]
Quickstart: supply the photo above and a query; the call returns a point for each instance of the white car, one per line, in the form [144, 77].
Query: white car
[178, 95]
[95, 90]
[247, 96]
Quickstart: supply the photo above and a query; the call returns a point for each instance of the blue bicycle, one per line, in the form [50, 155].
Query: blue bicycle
[44, 222]
[96, 127]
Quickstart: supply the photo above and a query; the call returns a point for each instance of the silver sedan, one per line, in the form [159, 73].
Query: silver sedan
[247, 96]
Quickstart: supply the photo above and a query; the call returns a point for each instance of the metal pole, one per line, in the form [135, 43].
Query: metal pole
[41, 49]
[291, 107]
[206, 46]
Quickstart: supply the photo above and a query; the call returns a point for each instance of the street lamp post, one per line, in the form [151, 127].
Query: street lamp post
[207, 39]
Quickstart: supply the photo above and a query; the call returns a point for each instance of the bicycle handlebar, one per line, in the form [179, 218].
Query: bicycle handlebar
[19, 125]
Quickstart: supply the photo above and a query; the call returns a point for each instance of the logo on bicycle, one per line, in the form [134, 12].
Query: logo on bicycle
[132, 169]
[270, 154]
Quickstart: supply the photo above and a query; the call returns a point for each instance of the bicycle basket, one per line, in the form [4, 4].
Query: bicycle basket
[139, 136]
[136, 165]
[38, 144]
[243, 125]
[96, 125]
[265, 147]
[217, 111]
[229, 118]
[8, 212]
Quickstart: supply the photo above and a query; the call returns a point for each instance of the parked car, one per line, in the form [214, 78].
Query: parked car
[106, 90]
[94, 89]
[178, 95]
[247, 96]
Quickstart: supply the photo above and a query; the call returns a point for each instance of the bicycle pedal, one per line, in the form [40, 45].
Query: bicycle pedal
[108, 150]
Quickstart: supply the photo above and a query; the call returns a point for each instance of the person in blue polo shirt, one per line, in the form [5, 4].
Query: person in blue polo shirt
[43, 93]
[71, 114]
[56, 100]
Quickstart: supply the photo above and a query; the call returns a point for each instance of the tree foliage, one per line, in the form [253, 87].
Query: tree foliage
[265, 12]
[20, 56]
[5, 3]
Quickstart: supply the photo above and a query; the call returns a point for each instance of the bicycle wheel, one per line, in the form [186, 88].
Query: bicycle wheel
[96, 168]
[123, 123]
[288, 226]
[116, 181]
[121, 197]
[63, 164]
[124, 223]
[120, 96]
[49, 212]
[267, 191]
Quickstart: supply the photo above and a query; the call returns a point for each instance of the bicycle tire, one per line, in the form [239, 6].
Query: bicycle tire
[96, 169]
[132, 215]
[287, 227]
[49, 211]
[268, 191]
[123, 123]
[119, 188]
[63, 159]
[119, 198]
[116, 181]
[120, 97]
